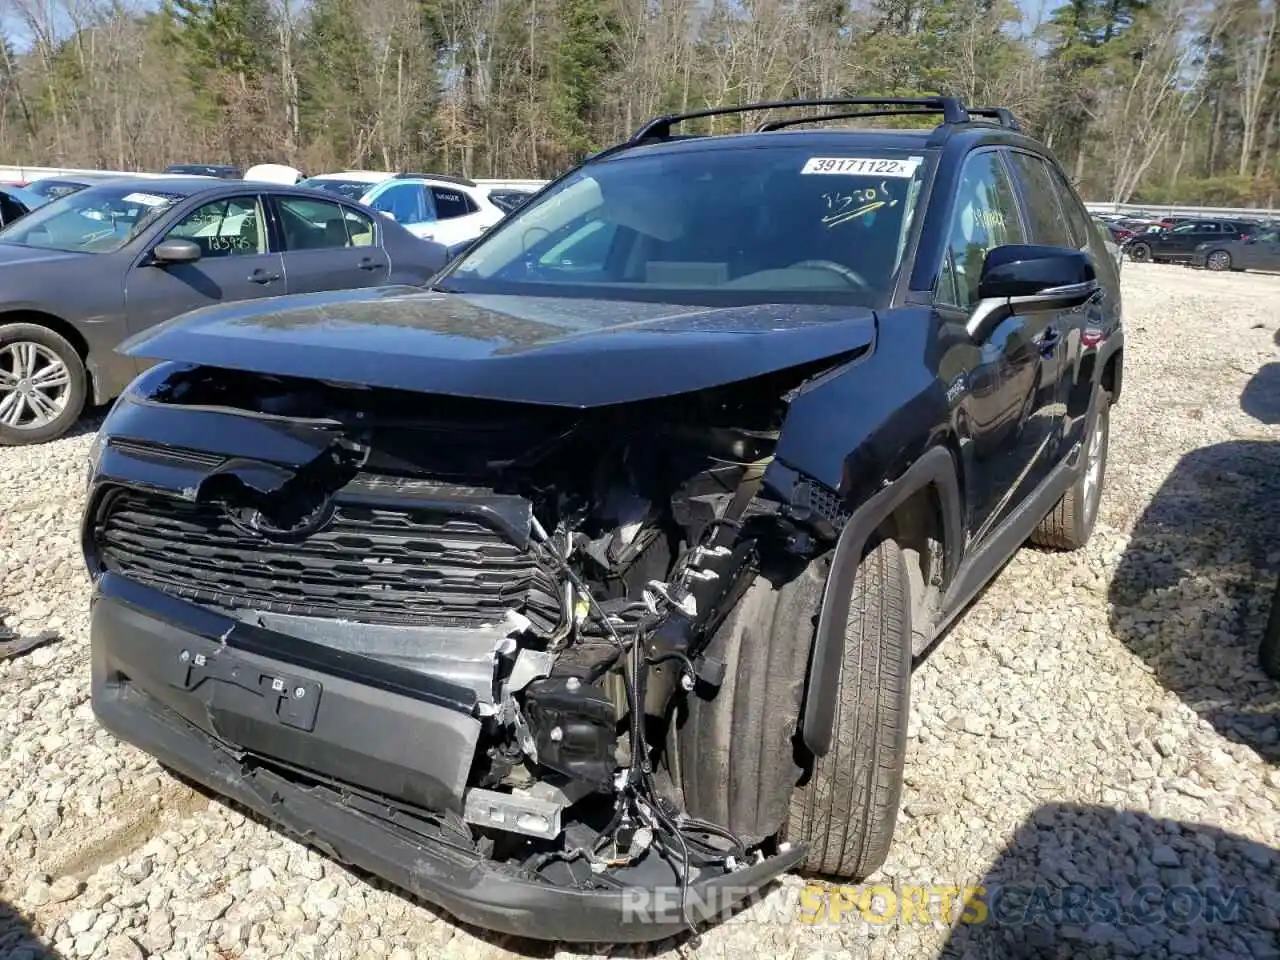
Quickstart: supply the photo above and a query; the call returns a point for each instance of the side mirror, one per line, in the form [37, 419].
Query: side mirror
[388, 214]
[1027, 278]
[176, 251]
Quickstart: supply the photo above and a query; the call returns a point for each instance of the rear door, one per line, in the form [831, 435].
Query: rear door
[1054, 336]
[236, 263]
[328, 245]
[1089, 324]
[996, 379]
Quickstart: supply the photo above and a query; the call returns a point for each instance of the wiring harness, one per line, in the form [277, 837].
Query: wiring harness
[642, 817]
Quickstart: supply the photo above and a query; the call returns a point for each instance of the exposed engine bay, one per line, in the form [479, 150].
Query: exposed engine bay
[563, 568]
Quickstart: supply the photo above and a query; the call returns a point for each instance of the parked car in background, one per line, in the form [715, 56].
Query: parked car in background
[352, 184]
[16, 202]
[1179, 243]
[53, 187]
[449, 210]
[84, 271]
[1261, 251]
[220, 170]
[1112, 237]
[274, 173]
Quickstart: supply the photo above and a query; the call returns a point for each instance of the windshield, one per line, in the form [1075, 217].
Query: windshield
[96, 220]
[351, 189]
[708, 226]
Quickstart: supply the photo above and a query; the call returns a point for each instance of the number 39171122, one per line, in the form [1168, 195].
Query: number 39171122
[862, 166]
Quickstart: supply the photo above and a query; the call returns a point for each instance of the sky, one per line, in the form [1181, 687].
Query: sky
[1034, 11]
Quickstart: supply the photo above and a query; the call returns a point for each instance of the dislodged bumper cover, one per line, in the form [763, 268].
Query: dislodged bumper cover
[147, 711]
[391, 730]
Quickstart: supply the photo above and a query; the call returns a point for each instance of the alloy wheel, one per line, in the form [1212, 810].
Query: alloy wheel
[1219, 260]
[1095, 463]
[35, 385]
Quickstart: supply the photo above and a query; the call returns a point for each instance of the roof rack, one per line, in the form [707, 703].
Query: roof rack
[448, 178]
[1002, 115]
[771, 125]
[952, 109]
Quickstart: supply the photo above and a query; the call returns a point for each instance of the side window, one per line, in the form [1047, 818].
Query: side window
[1089, 234]
[407, 202]
[1083, 227]
[313, 224]
[225, 228]
[451, 203]
[359, 228]
[1044, 217]
[985, 216]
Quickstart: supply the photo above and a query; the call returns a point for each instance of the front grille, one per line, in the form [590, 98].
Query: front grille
[370, 564]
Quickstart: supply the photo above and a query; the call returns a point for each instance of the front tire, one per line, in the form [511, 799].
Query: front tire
[1140, 253]
[43, 384]
[1070, 523]
[848, 808]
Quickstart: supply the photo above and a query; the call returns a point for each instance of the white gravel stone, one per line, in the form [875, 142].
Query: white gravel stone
[1097, 718]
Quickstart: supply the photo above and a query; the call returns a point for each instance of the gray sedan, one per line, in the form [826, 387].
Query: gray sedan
[85, 271]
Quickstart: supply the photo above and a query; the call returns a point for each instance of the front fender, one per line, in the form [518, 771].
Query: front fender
[936, 467]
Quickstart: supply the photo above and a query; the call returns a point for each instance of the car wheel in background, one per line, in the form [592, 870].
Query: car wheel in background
[1139, 252]
[43, 384]
[1219, 260]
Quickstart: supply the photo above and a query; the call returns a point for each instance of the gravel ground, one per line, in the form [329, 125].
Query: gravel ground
[1096, 721]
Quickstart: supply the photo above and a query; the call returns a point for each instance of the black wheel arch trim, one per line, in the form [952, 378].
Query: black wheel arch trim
[936, 467]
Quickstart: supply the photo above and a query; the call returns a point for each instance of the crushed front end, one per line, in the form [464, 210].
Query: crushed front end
[440, 638]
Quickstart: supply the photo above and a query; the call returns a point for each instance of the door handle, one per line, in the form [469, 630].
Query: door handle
[368, 263]
[261, 276]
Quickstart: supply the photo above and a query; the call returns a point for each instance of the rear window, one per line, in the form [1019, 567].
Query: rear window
[715, 226]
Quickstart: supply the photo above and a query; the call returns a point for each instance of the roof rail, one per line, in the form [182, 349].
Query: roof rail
[952, 110]
[1003, 115]
[449, 178]
[851, 115]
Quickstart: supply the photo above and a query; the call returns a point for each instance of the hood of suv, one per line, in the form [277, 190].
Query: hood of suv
[567, 352]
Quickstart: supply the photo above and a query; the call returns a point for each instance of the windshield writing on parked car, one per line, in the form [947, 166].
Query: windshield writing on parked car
[97, 220]
[775, 224]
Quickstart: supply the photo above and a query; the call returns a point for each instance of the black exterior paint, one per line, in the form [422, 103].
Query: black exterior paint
[903, 399]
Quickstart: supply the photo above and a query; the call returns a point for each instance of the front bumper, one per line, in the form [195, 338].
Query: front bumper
[201, 731]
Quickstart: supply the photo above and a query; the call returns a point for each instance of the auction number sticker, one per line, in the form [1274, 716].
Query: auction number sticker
[863, 166]
[146, 199]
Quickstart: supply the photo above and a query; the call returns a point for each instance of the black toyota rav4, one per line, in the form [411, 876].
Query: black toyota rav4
[579, 593]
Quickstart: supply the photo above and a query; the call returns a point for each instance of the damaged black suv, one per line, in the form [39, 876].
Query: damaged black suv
[579, 593]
